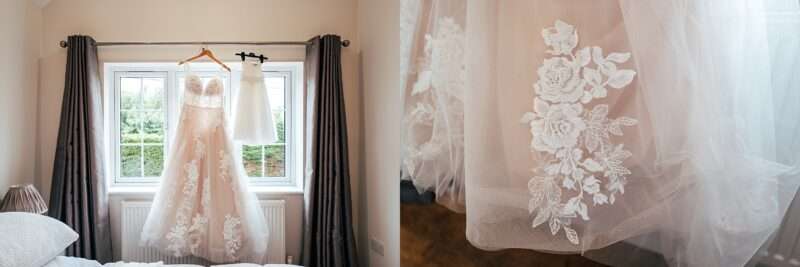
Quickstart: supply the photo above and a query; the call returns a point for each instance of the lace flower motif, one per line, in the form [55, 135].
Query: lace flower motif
[562, 38]
[197, 232]
[177, 238]
[185, 238]
[560, 81]
[232, 234]
[439, 89]
[556, 127]
[580, 159]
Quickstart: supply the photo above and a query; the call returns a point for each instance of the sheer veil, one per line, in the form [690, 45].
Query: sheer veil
[577, 126]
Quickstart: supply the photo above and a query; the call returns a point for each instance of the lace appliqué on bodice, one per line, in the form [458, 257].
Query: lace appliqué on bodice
[210, 96]
[581, 164]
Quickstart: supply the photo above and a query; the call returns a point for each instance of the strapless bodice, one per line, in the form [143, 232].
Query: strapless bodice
[208, 96]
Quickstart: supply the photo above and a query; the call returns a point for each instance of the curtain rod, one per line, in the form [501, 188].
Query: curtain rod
[64, 44]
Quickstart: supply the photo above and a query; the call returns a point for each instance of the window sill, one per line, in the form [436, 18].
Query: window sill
[132, 190]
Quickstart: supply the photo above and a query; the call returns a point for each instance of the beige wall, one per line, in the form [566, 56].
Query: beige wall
[194, 20]
[380, 76]
[20, 32]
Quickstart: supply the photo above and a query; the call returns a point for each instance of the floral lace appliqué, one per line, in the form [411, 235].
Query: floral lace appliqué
[197, 231]
[232, 234]
[224, 165]
[439, 88]
[186, 236]
[581, 163]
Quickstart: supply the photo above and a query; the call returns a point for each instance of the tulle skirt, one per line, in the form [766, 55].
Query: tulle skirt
[203, 207]
[572, 126]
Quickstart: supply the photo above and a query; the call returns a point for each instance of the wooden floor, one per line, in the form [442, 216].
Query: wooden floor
[431, 235]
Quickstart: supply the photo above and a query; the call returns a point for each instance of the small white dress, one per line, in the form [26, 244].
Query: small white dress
[203, 207]
[254, 124]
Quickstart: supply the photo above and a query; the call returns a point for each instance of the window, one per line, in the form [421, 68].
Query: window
[270, 160]
[143, 103]
[141, 139]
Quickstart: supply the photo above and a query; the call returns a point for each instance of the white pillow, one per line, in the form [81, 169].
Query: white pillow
[62, 261]
[32, 240]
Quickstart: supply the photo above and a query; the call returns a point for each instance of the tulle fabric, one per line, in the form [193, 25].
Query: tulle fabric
[203, 206]
[699, 109]
[434, 79]
[253, 124]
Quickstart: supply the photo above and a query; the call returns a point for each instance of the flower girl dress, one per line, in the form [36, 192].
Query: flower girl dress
[253, 124]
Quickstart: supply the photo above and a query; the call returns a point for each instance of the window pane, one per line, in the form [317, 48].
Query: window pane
[130, 127]
[275, 156]
[153, 160]
[131, 159]
[275, 91]
[153, 95]
[153, 126]
[280, 125]
[251, 156]
[130, 93]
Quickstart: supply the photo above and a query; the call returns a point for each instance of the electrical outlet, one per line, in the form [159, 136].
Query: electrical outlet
[376, 246]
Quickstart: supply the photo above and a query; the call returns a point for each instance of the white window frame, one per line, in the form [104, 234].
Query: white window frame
[293, 115]
[115, 118]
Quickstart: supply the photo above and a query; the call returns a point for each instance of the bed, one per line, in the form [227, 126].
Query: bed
[32, 240]
[62, 261]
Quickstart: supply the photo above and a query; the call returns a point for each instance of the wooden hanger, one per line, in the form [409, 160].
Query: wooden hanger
[206, 53]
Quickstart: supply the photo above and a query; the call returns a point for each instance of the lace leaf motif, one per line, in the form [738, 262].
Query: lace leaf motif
[580, 159]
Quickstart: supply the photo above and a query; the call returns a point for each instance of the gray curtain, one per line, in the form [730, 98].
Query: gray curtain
[328, 238]
[78, 192]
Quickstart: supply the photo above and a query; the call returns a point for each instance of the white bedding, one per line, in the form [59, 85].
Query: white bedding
[62, 261]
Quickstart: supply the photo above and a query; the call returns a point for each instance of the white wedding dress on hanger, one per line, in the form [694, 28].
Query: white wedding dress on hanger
[253, 124]
[203, 206]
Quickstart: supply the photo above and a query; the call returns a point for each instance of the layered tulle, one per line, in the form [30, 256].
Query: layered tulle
[434, 76]
[667, 126]
[203, 207]
[254, 124]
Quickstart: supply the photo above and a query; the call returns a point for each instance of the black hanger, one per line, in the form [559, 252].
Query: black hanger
[244, 55]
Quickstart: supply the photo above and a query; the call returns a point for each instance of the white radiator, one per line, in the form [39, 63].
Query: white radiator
[134, 214]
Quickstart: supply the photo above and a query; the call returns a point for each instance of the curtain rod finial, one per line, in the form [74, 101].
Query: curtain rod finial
[63, 44]
[346, 43]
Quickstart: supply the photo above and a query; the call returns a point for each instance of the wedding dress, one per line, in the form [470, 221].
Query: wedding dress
[574, 126]
[254, 123]
[203, 206]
